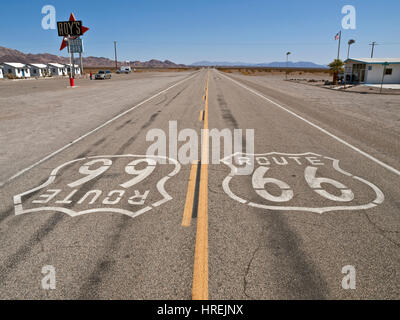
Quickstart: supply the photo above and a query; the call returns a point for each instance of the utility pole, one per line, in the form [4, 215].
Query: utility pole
[115, 54]
[373, 44]
[287, 63]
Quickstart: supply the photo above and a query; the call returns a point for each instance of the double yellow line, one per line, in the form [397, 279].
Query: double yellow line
[200, 267]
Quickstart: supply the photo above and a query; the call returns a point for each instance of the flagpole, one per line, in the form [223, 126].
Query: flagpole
[340, 38]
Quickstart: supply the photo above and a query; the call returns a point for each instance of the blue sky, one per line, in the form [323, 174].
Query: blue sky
[215, 30]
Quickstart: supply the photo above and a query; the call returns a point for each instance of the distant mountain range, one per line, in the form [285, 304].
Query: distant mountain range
[11, 55]
[300, 64]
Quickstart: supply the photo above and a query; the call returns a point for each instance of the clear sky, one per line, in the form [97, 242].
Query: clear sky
[186, 31]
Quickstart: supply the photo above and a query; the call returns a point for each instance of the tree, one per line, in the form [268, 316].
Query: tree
[336, 66]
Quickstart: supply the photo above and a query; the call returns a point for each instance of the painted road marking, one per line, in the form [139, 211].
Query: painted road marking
[188, 212]
[278, 169]
[386, 166]
[90, 132]
[200, 267]
[54, 195]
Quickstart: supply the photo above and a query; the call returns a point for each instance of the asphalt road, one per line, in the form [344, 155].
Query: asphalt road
[323, 194]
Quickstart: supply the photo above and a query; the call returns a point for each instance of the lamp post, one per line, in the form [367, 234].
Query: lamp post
[287, 63]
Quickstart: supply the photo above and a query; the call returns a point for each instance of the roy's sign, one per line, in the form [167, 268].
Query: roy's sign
[69, 28]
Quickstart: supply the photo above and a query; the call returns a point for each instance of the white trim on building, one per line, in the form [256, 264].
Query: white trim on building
[370, 70]
[19, 70]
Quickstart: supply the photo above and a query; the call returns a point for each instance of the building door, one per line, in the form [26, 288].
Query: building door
[362, 76]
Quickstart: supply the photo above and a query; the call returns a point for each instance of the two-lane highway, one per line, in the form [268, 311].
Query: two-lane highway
[115, 223]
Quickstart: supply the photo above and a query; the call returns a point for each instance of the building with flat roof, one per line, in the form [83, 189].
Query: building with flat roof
[38, 69]
[371, 70]
[57, 69]
[18, 70]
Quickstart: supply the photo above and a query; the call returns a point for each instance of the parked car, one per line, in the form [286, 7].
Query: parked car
[124, 69]
[103, 74]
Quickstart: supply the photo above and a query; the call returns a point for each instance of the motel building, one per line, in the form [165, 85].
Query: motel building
[38, 69]
[370, 70]
[57, 69]
[77, 69]
[19, 70]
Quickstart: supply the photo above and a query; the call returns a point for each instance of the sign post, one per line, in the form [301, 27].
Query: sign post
[71, 31]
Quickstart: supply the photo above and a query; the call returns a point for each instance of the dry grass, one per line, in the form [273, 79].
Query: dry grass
[258, 70]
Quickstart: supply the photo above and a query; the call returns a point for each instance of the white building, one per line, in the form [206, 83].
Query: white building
[38, 69]
[57, 69]
[370, 70]
[19, 70]
[77, 69]
[1, 72]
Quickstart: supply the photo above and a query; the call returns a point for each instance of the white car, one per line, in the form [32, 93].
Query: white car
[124, 70]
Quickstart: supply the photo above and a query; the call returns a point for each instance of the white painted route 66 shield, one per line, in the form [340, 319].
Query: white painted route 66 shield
[297, 182]
[126, 184]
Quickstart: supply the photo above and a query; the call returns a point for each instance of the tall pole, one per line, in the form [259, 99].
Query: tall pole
[373, 44]
[115, 54]
[70, 57]
[81, 62]
[340, 38]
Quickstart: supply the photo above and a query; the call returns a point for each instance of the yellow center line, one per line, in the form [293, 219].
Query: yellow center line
[200, 268]
[201, 115]
[187, 213]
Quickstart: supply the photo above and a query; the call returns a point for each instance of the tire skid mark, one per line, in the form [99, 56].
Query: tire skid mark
[24, 250]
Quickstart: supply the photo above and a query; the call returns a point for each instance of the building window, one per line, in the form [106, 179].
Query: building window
[369, 68]
[9, 71]
[389, 72]
[34, 71]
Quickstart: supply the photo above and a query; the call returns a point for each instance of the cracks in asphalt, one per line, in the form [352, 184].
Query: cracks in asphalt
[382, 231]
[245, 282]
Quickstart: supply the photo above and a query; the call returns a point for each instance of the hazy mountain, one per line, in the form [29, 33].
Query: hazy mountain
[300, 64]
[11, 55]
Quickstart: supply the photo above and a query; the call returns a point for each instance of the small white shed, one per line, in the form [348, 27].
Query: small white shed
[57, 69]
[77, 69]
[38, 69]
[370, 70]
[18, 70]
